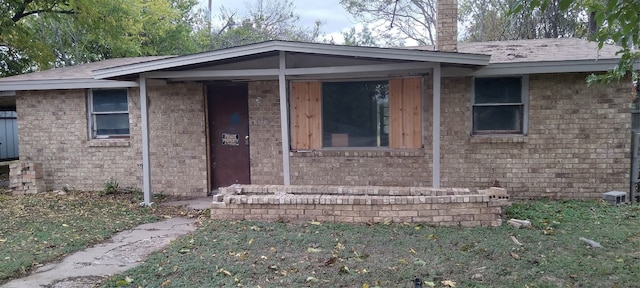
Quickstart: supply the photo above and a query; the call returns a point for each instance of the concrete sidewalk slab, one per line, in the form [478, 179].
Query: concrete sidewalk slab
[123, 251]
[200, 203]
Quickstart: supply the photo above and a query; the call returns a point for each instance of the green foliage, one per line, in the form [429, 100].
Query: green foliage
[111, 187]
[490, 20]
[38, 35]
[616, 21]
[314, 254]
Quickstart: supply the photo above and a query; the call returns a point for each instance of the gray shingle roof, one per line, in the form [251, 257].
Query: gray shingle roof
[82, 71]
[512, 51]
[538, 50]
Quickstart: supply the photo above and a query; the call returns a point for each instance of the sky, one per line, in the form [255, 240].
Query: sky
[334, 17]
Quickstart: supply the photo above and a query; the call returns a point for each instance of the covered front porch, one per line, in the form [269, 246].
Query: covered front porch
[284, 121]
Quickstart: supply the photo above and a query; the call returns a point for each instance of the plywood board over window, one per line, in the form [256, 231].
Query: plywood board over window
[306, 114]
[405, 102]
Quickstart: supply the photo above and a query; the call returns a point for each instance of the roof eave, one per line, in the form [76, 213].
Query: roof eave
[296, 47]
[569, 66]
[60, 84]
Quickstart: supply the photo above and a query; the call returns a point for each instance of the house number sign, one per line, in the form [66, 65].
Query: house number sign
[230, 139]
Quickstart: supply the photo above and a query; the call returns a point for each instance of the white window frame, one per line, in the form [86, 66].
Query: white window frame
[524, 95]
[91, 115]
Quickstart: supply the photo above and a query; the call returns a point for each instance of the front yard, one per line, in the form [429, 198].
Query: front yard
[549, 254]
[41, 228]
[36, 229]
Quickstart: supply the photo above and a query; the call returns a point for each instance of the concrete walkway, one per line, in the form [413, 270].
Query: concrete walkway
[123, 251]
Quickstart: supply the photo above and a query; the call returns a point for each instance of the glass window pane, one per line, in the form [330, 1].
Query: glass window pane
[498, 90]
[112, 124]
[355, 114]
[110, 100]
[496, 118]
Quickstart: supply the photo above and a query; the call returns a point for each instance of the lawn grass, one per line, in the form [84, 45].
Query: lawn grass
[35, 229]
[255, 254]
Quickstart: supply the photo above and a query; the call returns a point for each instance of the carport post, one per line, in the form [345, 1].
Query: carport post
[284, 119]
[435, 167]
[146, 168]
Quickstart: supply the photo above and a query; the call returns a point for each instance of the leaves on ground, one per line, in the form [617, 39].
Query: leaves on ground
[39, 228]
[393, 255]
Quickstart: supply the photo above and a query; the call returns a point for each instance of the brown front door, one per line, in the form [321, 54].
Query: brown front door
[229, 134]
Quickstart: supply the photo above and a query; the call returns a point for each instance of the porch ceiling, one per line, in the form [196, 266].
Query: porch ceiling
[258, 61]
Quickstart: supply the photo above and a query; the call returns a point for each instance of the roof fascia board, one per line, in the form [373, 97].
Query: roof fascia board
[387, 53]
[546, 67]
[7, 93]
[63, 84]
[333, 50]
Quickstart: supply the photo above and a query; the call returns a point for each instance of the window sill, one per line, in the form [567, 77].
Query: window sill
[109, 143]
[359, 152]
[516, 138]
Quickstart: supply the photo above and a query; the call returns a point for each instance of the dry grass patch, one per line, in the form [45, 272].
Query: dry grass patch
[35, 229]
[256, 254]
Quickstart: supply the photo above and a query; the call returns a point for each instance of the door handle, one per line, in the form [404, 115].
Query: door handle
[246, 140]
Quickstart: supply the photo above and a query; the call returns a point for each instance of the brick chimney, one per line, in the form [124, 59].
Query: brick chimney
[447, 25]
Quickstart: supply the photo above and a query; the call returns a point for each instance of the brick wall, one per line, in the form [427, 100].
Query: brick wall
[53, 129]
[264, 133]
[368, 204]
[577, 147]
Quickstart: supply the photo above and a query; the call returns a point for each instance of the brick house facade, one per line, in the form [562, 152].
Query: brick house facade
[574, 139]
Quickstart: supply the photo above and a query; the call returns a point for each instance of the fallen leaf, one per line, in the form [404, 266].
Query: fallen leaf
[251, 241]
[315, 222]
[448, 283]
[365, 285]
[312, 279]
[225, 272]
[419, 262]
[331, 261]
[430, 284]
[65, 225]
[165, 283]
[313, 250]
[515, 256]
[184, 250]
[402, 261]
[344, 270]
[339, 246]
[412, 251]
[128, 279]
[3, 240]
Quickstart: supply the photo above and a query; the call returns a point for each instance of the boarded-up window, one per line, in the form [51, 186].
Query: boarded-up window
[405, 111]
[306, 111]
[360, 114]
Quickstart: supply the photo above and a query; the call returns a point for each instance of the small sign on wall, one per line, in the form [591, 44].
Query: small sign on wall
[230, 139]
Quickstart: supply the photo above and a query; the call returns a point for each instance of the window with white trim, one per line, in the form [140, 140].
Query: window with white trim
[499, 105]
[108, 113]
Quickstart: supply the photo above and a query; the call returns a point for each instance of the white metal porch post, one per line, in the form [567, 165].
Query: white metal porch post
[146, 166]
[435, 144]
[284, 119]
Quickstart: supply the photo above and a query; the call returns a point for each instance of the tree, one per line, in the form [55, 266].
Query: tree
[39, 34]
[266, 20]
[614, 21]
[490, 20]
[412, 19]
